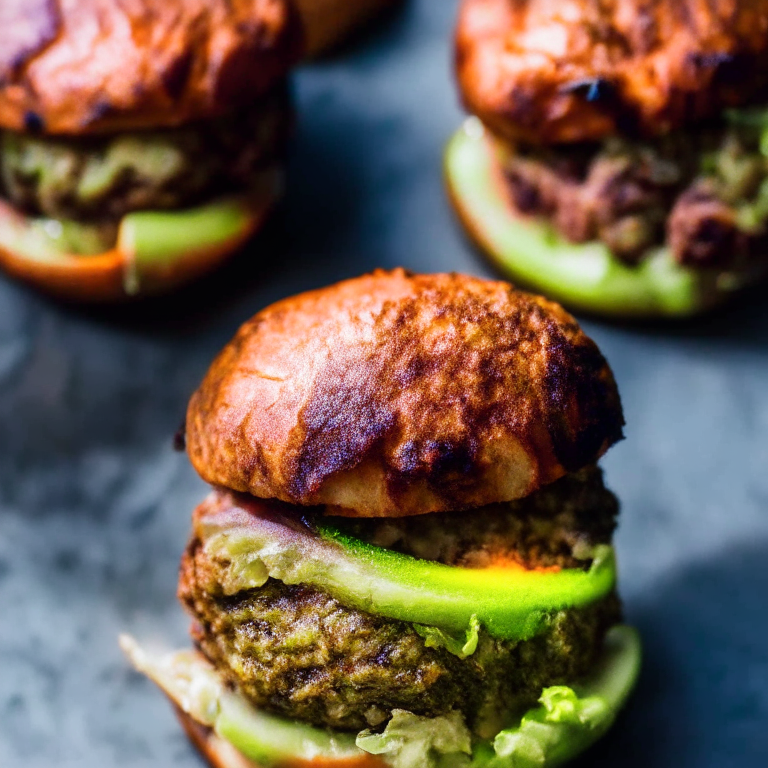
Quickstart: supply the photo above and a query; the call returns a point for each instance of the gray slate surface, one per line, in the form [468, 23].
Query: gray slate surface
[94, 504]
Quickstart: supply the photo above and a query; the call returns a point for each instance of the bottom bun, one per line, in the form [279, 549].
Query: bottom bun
[155, 250]
[217, 751]
[582, 276]
[328, 22]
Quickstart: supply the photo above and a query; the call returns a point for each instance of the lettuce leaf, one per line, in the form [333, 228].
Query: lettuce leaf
[461, 647]
[570, 719]
[410, 741]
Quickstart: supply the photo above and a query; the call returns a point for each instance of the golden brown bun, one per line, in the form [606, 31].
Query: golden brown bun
[396, 394]
[88, 66]
[576, 70]
[328, 22]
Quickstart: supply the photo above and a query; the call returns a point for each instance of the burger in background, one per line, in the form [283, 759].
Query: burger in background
[617, 159]
[140, 143]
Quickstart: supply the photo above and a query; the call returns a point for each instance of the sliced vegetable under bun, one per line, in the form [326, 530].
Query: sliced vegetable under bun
[94, 66]
[395, 394]
[328, 22]
[155, 251]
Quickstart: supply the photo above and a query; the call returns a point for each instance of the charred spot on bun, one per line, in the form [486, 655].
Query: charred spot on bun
[406, 559]
[139, 144]
[617, 156]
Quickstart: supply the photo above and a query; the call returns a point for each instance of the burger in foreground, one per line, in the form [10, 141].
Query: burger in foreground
[328, 23]
[406, 560]
[140, 143]
[618, 157]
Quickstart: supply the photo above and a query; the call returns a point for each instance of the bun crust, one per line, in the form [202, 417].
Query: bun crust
[95, 66]
[546, 71]
[328, 22]
[395, 394]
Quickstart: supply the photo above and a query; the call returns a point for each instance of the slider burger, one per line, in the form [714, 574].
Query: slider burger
[328, 23]
[617, 157]
[140, 142]
[406, 559]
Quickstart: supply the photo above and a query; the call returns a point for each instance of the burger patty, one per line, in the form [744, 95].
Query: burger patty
[297, 651]
[702, 194]
[103, 178]
[543, 529]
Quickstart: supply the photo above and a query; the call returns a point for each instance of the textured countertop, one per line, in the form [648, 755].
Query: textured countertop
[95, 504]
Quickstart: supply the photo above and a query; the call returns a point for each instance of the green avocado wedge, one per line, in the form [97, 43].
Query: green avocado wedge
[255, 542]
[146, 252]
[583, 276]
[569, 720]
[153, 237]
[156, 241]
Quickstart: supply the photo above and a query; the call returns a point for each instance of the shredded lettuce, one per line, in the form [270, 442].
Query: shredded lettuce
[563, 726]
[568, 721]
[461, 647]
[410, 741]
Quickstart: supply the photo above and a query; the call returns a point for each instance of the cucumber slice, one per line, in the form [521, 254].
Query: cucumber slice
[272, 740]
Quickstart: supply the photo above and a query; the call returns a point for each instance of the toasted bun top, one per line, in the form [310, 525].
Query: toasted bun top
[580, 70]
[396, 394]
[89, 66]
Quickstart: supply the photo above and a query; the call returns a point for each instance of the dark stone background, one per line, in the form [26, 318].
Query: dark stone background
[94, 504]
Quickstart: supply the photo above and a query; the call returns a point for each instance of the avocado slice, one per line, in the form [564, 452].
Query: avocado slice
[147, 251]
[255, 542]
[584, 276]
[157, 241]
[569, 720]
[272, 740]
